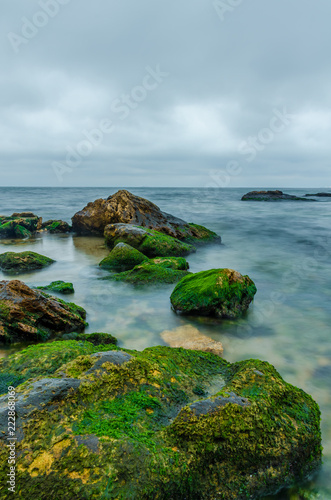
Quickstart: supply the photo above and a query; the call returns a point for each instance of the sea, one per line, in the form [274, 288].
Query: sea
[285, 247]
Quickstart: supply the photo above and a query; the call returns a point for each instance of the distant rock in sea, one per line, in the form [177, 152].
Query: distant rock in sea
[320, 195]
[270, 196]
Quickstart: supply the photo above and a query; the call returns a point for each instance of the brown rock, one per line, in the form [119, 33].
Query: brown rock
[189, 337]
[27, 314]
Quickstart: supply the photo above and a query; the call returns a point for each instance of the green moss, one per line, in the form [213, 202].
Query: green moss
[217, 292]
[154, 271]
[93, 338]
[201, 234]
[122, 258]
[14, 263]
[59, 286]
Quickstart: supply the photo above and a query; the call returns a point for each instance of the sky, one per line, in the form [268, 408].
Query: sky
[197, 93]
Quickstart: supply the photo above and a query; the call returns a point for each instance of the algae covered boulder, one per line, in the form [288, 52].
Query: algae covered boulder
[15, 263]
[27, 314]
[56, 227]
[125, 207]
[223, 293]
[59, 287]
[19, 225]
[149, 242]
[159, 270]
[122, 258]
[113, 423]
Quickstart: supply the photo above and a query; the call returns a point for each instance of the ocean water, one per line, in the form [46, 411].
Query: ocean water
[284, 247]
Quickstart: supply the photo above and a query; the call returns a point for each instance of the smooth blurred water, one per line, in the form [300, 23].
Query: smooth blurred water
[284, 247]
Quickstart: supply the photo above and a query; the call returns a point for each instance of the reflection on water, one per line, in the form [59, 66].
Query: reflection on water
[284, 247]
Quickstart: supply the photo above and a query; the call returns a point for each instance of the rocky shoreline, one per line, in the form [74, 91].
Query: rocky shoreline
[178, 420]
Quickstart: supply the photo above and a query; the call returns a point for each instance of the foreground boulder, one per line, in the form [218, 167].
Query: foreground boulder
[19, 225]
[124, 207]
[149, 242]
[223, 293]
[27, 314]
[270, 196]
[56, 227]
[122, 258]
[59, 287]
[165, 270]
[15, 263]
[124, 424]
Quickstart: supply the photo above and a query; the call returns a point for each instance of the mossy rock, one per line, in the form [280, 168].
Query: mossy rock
[222, 293]
[181, 424]
[122, 258]
[94, 338]
[59, 286]
[199, 234]
[147, 241]
[165, 270]
[27, 314]
[15, 263]
[56, 227]
[19, 225]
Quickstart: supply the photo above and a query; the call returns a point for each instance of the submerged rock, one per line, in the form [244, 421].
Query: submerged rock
[124, 207]
[19, 225]
[189, 337]
[130, 424]
[270, 196]
[122, 258]
[56, 227]
[223, 293]
[160, 270]
[27, 314]
[58, 286]
[149, 242]
[320, 195]
[15, 263]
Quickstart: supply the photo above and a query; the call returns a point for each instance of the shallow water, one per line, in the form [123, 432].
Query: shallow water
[284, 247]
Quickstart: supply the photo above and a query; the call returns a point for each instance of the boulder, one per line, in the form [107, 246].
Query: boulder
[125, 207]
[222, 293]
[130, 423]
[189, 337]
[270, 196]
[122, 258]
[56, 227]
[19, 225]
[147, 241]
[320, 195]
[160, 270]
[23, 262]
[59, 287]
[27, 314]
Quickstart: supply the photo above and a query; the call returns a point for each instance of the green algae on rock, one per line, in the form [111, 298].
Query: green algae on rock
[19, 225]
[147, 241]
[122, 424]
[159, 270]
[58, 286]
[122, 258]
[32, 315]
[199, 234]
[56, 227]
[223, 293]
[97, 338]
[15, 263]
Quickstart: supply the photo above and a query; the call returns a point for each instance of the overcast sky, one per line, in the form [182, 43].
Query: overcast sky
[176, 93]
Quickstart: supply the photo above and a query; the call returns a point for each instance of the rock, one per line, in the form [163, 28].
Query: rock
[93, 338]
[58, 286]
[122, 258]
[189, 337]
[160, 270]
[19, 225]
[15, 263]
[149, 242]
[27, 314]
[321, 195]
[124, 207]
[136, 425]
[271, 196]
[56, 227]
[223, 293]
